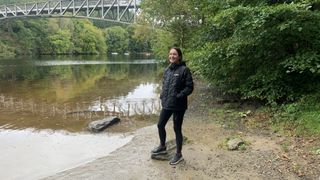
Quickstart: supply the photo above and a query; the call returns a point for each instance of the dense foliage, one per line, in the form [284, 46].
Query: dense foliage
[118, 37]
[267, 50]
[174, 22]
[66, 36]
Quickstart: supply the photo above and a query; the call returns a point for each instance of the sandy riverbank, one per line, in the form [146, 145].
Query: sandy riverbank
[203, 158]
[264, 158]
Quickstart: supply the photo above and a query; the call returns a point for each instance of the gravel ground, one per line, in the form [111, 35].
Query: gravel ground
[264, 156]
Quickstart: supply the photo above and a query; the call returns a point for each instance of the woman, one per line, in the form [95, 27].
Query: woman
[177, 85]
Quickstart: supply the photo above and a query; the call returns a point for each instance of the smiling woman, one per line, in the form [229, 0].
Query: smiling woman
[177, 86]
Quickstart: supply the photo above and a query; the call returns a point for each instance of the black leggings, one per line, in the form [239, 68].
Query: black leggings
[177, 123]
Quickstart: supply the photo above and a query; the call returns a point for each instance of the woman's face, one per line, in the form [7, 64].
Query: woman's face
[174, 57]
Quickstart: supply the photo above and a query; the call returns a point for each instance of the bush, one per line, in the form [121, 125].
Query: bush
[265, 52]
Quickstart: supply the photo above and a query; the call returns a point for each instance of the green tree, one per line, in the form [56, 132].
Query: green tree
[161, 43]
[140, 37]
[261, 51]
[117, 39]
[87, 38]
[5, 50]
[177, 18]
[61, 42]
[28, 35]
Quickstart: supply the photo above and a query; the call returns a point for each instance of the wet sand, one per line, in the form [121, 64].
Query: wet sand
[203, 158]
[33, 154]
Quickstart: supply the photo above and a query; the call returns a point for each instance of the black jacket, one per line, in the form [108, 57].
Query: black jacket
[177, 85]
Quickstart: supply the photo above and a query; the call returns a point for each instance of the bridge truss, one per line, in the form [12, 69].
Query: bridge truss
[123, 11]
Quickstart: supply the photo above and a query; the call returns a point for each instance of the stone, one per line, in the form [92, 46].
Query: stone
[100, 125]
[161, 157]
[233, 144]
[171, 150]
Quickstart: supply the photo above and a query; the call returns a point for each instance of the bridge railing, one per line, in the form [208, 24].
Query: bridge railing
[113, 10]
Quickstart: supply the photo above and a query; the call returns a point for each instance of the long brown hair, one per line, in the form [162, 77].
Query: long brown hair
[178, 51]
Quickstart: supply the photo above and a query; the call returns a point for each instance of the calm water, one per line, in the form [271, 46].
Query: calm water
[46, 105]
[67, 93]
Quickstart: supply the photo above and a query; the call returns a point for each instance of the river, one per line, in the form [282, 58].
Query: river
[46, 104]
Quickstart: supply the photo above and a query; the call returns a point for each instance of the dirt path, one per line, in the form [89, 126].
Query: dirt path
[264, 158]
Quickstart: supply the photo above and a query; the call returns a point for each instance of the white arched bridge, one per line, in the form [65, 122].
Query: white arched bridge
[122, 11]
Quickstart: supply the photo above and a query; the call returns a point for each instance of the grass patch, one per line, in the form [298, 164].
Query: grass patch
[309, 122]
[300, 118]
[229, 118]
[316, 151]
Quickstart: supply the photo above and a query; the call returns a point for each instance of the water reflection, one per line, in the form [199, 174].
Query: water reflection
[68, 94]
[77, 62]
[142, 100]
[43, 100]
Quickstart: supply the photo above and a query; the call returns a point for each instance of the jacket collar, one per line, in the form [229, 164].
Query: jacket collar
[174, 66]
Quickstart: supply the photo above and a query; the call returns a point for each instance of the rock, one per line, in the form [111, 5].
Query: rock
[171, 150]
[233, 144]
[161, 157]
[171, 147]
[99, 125]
